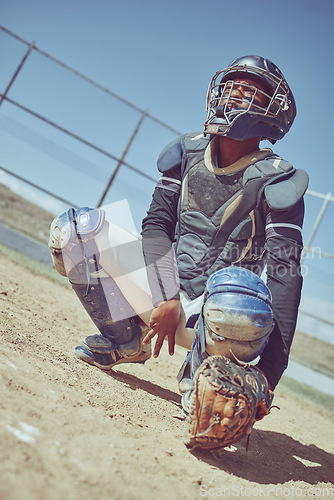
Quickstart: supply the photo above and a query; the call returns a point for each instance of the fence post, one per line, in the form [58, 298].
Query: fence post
[324, 206]
[120, 161]
[17, 72]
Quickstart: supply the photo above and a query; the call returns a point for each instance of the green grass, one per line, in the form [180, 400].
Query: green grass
[37, 268]
[308, 396]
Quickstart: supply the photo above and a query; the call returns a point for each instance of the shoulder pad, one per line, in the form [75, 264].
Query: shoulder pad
[272, 166]
[172, 154]
[286, 193]
[194, 142]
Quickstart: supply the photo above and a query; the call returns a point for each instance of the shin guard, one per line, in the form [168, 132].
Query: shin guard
[76, 255]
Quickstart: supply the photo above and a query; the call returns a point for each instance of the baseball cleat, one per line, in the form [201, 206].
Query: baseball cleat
[102, 353]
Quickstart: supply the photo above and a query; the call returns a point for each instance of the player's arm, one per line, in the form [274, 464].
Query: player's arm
[283, 251]
[158, 230]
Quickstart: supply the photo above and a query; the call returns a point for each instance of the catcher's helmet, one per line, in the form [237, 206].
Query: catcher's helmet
[242, 122]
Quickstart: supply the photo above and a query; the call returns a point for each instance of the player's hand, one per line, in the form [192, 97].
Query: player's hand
[163, 323]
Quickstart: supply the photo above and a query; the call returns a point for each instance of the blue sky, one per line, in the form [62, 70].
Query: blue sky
[160, 56]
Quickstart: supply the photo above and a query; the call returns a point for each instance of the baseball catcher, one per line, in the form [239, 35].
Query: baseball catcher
[223, 210]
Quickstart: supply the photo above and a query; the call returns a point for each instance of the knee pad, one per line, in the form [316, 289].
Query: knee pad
[237, 316]
[72, 244]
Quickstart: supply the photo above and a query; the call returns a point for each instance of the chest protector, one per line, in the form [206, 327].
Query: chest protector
[221, 220]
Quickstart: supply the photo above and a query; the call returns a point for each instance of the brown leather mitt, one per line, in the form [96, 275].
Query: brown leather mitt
[225, 400]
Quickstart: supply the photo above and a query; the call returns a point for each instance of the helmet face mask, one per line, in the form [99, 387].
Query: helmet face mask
[263, 106]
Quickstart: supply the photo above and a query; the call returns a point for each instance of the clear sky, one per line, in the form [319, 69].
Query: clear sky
[161, 57]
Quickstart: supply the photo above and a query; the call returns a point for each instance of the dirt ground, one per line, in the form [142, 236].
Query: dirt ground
[70, 431]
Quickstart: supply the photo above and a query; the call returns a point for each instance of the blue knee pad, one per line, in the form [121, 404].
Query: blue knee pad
[236, 318]
[237, 315]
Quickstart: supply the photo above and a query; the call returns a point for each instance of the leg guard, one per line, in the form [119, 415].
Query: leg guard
[235, 321]
[104, 303]
[194, 359]
[76, 256]
[237, 317]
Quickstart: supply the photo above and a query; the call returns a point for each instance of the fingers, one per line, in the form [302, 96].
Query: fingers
[159, 342]
[147, 339]
[158, 345]
[171, 344]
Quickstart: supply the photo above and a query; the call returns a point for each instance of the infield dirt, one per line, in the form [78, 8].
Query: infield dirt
[71, 431]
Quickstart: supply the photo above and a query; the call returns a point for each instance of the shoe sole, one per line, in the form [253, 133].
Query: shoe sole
[97, 343]
[140, 358]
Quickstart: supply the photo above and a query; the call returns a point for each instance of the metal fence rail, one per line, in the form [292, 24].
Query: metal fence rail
[32, 45]
[307, 248]
[144, 113]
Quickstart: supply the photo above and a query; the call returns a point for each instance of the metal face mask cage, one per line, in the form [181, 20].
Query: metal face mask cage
[225, 117]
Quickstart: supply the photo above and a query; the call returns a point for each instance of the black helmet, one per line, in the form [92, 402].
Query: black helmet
[270, 122]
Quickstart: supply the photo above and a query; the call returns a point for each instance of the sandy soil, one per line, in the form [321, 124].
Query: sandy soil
[70, 431]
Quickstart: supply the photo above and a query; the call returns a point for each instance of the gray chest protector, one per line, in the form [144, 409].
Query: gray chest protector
[220, 220]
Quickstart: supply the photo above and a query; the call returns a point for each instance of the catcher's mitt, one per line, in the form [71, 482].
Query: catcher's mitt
[225, 400]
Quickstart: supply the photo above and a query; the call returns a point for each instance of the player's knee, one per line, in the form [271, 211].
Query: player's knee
[71, 240]
[237, 315]
[59, 231]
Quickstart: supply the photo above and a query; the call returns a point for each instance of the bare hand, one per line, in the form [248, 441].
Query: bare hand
[163, 323]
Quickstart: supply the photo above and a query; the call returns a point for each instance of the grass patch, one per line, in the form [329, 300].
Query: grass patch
[35, 267]
[308, 396]
[24, 216]
[314, 353]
